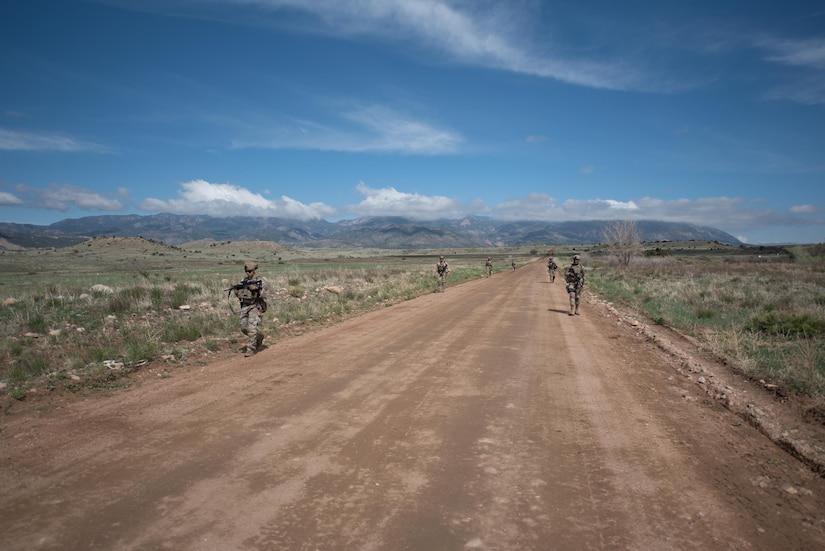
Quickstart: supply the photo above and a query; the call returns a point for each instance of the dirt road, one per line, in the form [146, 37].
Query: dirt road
[480, 418]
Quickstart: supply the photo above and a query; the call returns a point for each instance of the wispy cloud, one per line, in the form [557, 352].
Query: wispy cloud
[202, 197]
[808, 90]
[804, 53]
[375, 128]
[13, 140]
[808, 56]
[64, 197]
[472, 33]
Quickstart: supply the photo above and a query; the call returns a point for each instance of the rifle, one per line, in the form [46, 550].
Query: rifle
[574, 278]
[243, 285]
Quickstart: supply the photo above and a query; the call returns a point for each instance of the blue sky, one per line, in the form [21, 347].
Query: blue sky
[709, 112]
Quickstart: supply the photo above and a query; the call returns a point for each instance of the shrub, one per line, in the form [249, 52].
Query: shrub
[174, 331]
[181, 294]
[37, 323]
[786, 324]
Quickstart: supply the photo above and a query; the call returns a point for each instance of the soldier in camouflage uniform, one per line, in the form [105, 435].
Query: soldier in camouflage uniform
[574, 276]
[488, 267]
[251, 292]
[442, 269]
[552, 267]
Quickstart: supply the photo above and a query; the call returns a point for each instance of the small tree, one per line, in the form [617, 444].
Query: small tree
[623, 241]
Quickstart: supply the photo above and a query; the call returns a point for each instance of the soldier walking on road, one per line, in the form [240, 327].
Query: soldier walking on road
[488, 267]
[574, 276]
[251, 292]
[442, 269]
[552, 267]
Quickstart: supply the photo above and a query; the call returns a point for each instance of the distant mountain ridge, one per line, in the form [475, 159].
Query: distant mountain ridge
[369, 232]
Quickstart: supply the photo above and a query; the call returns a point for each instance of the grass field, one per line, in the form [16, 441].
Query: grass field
[84, 316]
[761, 308]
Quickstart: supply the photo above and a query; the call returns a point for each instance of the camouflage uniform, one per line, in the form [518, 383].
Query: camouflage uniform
[252, 295]
[441, 271]
[488, 267]
[574, 276]
[552, 267]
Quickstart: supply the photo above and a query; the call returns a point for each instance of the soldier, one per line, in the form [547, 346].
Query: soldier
[251, 291]
[513, 264]
[442, 269]
[552, 267]
[489, 267]
[575, 283]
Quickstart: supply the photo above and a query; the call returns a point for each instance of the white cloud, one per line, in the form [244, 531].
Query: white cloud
[391, 202]
[202, 197]
[8, 199]
[64, 197]
[803, 209]
[12, 140]
[538, 206]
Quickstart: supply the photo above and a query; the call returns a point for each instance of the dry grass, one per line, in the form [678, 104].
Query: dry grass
[169, 305]
[766, 317]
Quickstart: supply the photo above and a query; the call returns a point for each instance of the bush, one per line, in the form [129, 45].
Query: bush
[786, 324]
[37, 324]
[174, 331]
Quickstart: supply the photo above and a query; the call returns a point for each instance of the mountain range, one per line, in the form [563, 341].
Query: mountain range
[370, 232]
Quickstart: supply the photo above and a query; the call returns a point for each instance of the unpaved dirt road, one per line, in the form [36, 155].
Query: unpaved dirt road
[480, 418]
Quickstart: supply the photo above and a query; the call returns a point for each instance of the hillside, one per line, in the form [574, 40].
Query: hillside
[375, 232]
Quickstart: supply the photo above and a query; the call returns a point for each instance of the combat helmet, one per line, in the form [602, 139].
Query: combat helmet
[250, 265]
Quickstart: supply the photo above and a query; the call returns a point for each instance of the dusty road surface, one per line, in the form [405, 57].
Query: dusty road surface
[482, 418]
